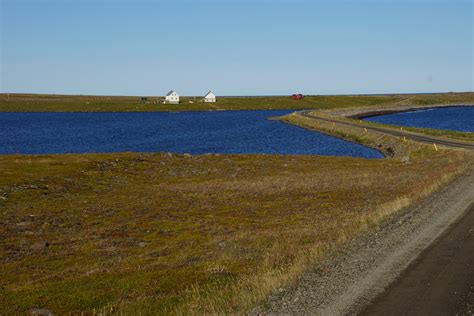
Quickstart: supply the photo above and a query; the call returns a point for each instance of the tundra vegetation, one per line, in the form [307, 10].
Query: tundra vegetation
[162, 233]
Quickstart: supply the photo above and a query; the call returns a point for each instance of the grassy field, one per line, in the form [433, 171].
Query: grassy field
[64, 103]
[156, 233]
[442, 98]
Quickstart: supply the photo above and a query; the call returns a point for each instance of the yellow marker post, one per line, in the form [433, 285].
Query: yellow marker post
[365, 129]
[436, 147]
[333, 124]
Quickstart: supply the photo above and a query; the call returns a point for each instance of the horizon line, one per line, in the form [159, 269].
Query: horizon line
[235, 96]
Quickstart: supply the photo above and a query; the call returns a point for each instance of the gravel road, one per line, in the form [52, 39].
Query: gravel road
[348, 281]
[440, 281]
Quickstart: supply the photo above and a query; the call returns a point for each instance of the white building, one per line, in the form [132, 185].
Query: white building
[210, 97]
[172, 97]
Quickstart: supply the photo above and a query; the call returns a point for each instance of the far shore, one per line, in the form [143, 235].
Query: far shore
[344, 103]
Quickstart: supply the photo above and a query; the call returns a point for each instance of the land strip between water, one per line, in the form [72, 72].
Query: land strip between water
[356, 114]
[399, 133]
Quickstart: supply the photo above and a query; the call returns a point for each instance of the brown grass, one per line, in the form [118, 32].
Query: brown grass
[161, 233]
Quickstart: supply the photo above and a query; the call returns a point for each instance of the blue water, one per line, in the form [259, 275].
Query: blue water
[459, 118]
[236, 132]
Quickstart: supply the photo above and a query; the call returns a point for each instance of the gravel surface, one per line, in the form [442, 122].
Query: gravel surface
[439, 281]
[350, 279]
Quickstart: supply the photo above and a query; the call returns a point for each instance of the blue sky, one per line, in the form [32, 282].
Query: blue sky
[236, 47]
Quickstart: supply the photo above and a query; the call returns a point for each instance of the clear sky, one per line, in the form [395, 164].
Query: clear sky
[236, 47]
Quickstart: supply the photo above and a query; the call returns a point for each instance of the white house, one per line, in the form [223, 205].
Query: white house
[210, 97]
[172, 97]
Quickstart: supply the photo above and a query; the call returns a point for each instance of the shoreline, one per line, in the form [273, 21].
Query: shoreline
[361, 113]
[415, 109]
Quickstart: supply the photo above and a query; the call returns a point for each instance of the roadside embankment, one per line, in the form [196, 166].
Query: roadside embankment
[349, 280]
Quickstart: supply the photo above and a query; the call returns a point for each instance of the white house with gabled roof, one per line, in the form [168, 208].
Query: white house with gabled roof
[172, 97]
[210, 97]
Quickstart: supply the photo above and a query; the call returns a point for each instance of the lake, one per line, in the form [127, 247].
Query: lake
[232, 132]
[459, 118]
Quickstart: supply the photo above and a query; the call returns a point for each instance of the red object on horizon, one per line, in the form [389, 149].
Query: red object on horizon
[298, 96]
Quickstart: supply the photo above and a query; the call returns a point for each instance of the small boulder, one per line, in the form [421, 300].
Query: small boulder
[24, 224]
[405, 159]
[40, 311]
[40, 245]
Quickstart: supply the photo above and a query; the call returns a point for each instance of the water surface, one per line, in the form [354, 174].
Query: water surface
[459, 118]
[234, 132]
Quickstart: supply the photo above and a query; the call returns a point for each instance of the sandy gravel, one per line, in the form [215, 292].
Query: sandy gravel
[349, 280]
